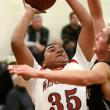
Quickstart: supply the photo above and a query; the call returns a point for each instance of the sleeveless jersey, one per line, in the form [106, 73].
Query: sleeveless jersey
[95, 99]
[50, 95]
[80, 57]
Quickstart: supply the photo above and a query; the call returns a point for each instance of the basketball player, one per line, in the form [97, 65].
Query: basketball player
[97, 80]
[46, 94]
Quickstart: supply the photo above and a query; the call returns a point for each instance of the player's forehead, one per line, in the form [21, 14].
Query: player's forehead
[54, 46]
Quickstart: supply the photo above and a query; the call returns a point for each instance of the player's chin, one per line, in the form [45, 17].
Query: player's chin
[62, 60]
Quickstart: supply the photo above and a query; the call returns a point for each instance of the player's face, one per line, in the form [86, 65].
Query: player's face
[101, 47]
[55, 56]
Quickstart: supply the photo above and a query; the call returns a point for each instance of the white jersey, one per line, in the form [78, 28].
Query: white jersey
[81, 59]
[50, 95]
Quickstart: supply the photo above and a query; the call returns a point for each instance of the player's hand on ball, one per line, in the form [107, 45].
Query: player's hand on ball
[28, 7]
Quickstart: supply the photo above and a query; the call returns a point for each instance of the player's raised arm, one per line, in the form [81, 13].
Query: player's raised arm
[86, 37]
[21, 52]
[97, 15]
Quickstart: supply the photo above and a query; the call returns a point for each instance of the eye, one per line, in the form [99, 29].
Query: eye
[52, 50]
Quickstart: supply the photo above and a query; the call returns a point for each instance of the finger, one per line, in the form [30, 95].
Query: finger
[43, 11]
[12, 72]
[10, 67]
[39, 11]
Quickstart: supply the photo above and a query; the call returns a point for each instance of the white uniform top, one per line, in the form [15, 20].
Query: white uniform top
[81, 59]
[50, 95]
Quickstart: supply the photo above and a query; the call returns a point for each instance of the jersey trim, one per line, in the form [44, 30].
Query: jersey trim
[73, 61]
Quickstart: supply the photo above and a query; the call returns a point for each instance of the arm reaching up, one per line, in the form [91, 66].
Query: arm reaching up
[21, 52]
[97, 15]
[86, 36]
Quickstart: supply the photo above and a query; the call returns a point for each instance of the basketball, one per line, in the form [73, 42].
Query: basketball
[41, 4]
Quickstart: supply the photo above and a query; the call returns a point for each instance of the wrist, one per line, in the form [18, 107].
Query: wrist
[40, 74]
[35, 74]
[29, 11]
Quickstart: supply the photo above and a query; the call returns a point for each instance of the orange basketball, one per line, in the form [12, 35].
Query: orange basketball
[41, 4]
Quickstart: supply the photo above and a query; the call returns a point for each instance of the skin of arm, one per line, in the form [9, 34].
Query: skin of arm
[97, 15]
[74, 77]
[106, 86]
[21, 52]
[99, 24]
[87, 33]
[100, 74]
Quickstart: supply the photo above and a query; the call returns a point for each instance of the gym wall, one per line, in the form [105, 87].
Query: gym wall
[56, 17]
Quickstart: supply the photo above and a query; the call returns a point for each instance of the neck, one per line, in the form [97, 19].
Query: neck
[55, 67]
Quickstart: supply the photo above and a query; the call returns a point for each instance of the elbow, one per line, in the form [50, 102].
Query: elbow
[85, 82]
[102, 77]
[98, 77]
[82, 82]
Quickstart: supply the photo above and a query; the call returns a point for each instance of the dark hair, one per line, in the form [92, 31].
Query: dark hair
[42, 54]
[71, 14]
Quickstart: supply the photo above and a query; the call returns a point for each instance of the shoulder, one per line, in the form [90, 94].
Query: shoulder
[73, 65]
[44, 29]
[103, 67]
[66, 26]
[82, 60]
[36, 65]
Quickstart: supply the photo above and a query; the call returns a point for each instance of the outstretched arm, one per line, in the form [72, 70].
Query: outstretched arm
[97, 15]
[74, 77]
[86, 37]
[21, 52]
